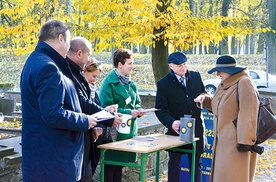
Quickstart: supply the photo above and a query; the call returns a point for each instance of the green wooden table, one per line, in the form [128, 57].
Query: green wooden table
[161, 142]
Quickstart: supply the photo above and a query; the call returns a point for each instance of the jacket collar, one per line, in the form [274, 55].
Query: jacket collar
[119, 89]
[233, 79]
[113, 78]
[74, 67]
[52, 53]
[55, 56]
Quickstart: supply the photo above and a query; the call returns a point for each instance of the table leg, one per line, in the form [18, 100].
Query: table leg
[157, 166]
[142, 167]
[193, 162]
[102, 165]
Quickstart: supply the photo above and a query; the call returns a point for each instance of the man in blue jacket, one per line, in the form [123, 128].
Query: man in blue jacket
[175, 97]
[52, 122]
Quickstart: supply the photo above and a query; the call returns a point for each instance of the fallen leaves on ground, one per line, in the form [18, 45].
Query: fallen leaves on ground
[265, 169]
[4, 135]
[266, 165]
[11, 124]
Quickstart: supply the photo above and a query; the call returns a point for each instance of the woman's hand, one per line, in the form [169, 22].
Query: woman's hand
[141, 112]
[112, 108]
[200, 98]
[135, 113]
[96, 132]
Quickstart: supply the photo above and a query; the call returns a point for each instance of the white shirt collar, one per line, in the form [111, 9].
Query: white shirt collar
[178, 77]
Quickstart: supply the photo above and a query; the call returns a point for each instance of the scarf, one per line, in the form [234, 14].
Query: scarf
[122, 78]
[93, 89]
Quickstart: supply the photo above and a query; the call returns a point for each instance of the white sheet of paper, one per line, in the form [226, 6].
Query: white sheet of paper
[103, 115]
[144, 138]
[149, 110]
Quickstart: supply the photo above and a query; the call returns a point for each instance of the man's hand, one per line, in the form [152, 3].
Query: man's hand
[91, 122]
[117, 120]
[176, 126]
[96, 132]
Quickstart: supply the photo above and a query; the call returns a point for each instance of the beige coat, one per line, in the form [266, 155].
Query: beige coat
[229, 165]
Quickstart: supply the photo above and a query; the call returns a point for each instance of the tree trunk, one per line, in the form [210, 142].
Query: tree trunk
[210, 11]
[143, 49]
[260, 43]
[271, 37]
[252, 44]
[159, 60]
[160, 50]
[212, 48]
[192, 6]
[223, 49]
[246, 45]
[233, 45]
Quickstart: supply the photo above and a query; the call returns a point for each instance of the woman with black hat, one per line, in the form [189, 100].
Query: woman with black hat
[230, 162]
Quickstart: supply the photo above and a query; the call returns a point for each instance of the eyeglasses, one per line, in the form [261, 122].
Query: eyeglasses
[95, 64]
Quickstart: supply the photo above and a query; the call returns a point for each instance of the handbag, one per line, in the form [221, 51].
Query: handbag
[106, 136]
[266, 122]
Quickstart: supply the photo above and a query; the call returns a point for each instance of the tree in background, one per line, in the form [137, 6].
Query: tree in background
[159, 24]
[271, 37]
[255, 12]
[223, 46]
[20, 21]
[160, 44]
[162, 24]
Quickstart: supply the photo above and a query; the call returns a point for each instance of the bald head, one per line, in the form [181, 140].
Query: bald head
[80, 43]
[80, 51]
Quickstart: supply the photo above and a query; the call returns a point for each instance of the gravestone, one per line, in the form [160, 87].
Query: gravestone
[7, 106]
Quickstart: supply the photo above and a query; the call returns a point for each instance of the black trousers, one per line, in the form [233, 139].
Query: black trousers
[113, 173]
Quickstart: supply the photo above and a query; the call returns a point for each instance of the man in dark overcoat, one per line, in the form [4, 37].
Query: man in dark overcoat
[175, 98]
[78, 57]
[52, 122]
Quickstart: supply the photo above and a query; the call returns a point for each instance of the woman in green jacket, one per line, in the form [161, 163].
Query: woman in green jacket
[119, 89]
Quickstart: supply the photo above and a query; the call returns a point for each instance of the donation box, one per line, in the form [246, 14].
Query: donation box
[206, 157]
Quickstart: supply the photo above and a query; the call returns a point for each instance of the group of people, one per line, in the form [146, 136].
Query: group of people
[58, 93]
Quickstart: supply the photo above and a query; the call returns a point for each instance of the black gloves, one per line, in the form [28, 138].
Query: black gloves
[254, 148]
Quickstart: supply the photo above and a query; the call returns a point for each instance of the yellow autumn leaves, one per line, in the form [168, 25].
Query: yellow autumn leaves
[109, 23]
[14, 124]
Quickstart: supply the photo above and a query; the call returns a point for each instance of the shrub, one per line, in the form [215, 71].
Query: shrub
[6, 86]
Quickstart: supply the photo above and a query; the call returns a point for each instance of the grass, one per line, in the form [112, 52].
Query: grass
[11, 66]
